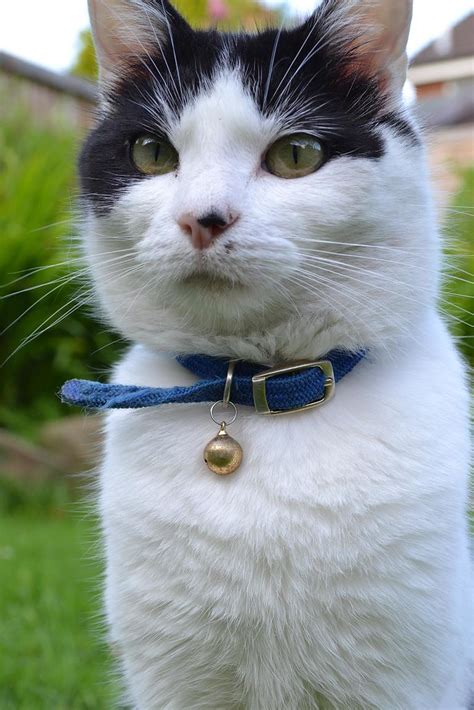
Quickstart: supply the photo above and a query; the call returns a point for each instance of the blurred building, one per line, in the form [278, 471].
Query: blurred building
[443, 76]
[56, 99]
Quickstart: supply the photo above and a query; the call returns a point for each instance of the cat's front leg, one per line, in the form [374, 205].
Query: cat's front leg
[173, 656]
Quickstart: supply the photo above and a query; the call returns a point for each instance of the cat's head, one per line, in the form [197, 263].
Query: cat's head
[257, 195]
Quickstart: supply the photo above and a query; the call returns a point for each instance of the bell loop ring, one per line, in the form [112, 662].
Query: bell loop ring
[225, 405]
[228, 383]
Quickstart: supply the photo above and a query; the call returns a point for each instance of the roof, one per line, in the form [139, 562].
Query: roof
[456, 43]
[63, 83]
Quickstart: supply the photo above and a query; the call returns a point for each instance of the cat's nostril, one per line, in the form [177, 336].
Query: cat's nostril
[186, 228]
[214, 219]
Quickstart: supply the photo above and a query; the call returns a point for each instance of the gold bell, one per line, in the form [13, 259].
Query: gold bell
[223, 455]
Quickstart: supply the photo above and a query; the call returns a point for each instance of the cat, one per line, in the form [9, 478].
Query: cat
[264, 197]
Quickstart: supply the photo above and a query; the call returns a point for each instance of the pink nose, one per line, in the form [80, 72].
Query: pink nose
[204, 230]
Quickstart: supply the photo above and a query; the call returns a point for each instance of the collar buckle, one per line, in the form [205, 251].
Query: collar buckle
[259, 385]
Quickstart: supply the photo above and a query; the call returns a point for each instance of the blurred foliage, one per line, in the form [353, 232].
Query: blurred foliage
[85, 64]
[459, 286]
[226, 14]
[43, 340]
[45, 498]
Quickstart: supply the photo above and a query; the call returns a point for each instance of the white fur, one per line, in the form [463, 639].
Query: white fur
[332, 571]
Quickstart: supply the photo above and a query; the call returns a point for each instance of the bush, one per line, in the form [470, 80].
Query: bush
[44, 340]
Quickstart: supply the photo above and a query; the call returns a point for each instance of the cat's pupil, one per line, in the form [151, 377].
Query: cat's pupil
[295, 154]
[157, 152]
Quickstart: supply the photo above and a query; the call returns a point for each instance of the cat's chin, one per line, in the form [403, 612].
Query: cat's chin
[212, 301]
[209, 283]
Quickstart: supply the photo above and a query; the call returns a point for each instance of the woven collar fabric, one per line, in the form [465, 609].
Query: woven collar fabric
[285, 392]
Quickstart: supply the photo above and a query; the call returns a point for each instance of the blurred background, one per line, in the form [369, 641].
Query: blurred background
[53, 654]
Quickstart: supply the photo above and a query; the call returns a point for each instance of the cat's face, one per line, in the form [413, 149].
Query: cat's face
[257, 195]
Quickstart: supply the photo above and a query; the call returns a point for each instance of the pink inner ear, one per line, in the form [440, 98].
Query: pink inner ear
[122, 33]
[367, 67]
[383, 32]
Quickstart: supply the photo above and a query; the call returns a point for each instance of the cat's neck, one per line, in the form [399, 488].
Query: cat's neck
[288, 342]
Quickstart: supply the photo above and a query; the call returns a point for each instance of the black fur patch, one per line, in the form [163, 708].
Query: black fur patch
[343, 107]
[105, 166]
[402, 126]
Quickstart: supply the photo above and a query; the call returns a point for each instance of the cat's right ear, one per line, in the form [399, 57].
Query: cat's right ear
[371, 36]
[126, 32]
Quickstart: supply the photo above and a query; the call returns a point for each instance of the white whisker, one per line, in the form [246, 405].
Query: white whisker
[170, 33]
[272, 64]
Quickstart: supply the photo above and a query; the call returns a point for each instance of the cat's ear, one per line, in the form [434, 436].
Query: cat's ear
[127, 31]
[374, 33]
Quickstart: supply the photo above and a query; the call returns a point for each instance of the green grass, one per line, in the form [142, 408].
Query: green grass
[53, 656]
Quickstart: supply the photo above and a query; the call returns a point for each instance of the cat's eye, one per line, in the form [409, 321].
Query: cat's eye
[154, 156]
[295, 156]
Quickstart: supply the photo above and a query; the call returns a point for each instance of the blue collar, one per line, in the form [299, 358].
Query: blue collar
[270, 391]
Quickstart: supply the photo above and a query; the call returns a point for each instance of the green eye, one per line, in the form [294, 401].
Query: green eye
[295, 156]
[154, 156]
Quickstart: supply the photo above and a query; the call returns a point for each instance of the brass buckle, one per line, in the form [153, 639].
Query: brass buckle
[259, 383]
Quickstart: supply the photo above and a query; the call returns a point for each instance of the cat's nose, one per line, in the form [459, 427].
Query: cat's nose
[202, 231]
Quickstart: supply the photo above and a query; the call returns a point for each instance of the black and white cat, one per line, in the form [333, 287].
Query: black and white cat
[264, 197]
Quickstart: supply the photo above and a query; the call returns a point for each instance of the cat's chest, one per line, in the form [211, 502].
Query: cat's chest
[319, 494]
[328, 468]
[297, 471]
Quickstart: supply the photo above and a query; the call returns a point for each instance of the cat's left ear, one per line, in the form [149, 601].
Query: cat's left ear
[374, 33]
[126, 32]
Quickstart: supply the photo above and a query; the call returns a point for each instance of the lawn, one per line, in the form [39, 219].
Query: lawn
[52, 651]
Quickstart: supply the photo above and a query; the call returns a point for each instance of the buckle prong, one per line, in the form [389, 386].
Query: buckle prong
[259, 383]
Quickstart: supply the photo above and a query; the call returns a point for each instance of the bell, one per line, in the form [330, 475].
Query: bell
[223, 455]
